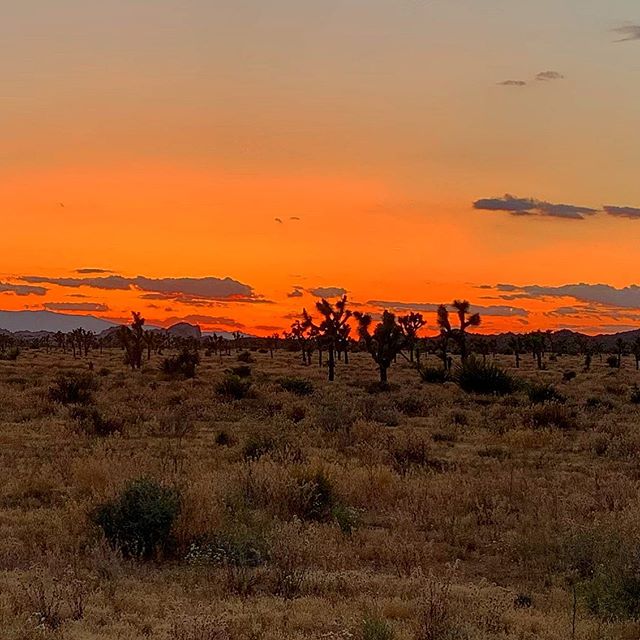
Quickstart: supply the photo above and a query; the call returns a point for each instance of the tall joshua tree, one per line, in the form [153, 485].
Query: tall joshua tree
[635, 349]
[466, 321]
[333, 330]
[132, 339]
[410, 325]
[384, 344]
[515, 344]
[301, 332]
[459, 334]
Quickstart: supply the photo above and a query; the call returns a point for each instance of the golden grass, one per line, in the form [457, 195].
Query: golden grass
[461, 505]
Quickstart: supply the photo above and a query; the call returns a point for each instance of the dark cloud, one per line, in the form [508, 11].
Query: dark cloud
[622, 212]
[75, 306]
[531, 207]
[603, 294]
[545, 76]
[328, 292]
[513, 83]
[91, 270]
[491, 310]
[22, 289]
[207, 288]
[267, 327]
[628, 32]
[295, 293]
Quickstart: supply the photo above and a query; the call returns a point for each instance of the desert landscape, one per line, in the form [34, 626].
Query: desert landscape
[258, 500]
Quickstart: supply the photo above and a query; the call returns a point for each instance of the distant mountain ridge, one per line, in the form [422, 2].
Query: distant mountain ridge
[51, 321]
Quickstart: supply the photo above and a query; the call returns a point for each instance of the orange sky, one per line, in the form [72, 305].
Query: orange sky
[165, 141]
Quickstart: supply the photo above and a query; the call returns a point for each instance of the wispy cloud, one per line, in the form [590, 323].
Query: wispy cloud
[546, 76]
[513, 83]
[628, 32]
[189, 289]
[22, 289]
[75, 306]
[532, 207]
[604, 294]
[623, 212]
[327, 292]
[489, 310]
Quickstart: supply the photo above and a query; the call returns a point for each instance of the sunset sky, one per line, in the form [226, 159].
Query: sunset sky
[227, 162]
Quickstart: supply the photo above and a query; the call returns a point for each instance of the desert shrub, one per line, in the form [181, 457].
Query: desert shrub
[606, 569]
[314, 498]
[75, 387]
[199, 629]
[297, 386]
[139, 521]
[612, 361]
[233, 387]
[411, 452]
[242, 371]
[459, 418]
[239, 547]
[374, 628]
[334, 414]
[347, 518]
[553, 415]
[297, 413]
[411, 405]
[486, 378]
[92, 422]
[224, 439]
[245, 357]
[634, 396]
[10, 354]
[523, 601]
[258, 445]
[433, 375]
[184, 364]
[567, 376]
[382, 410]
[593, 402]
[543, 392]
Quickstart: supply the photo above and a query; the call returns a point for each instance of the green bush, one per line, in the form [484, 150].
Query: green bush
[486, 378]
[315, 498]
[92, 422]
[184, 364]
[233, 387]
[258, 445]
[73, 388]
[542, 392]
[376, 629]
[297, 386]
[634, 397]
[245, 357]
[553, 415]
[433, 375]
[139, 521]
[242, 371]
[10, 354]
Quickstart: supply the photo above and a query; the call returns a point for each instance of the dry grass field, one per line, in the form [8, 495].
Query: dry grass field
[419, 513]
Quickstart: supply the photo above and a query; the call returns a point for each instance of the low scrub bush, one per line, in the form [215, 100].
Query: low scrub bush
[184, 364]
[245, 357]
[297, 386]
[553, 415]
[542, 392]
[486, 378]
[92, 422]
[242, 371]
[75, 387]
[233, 387]
[374, 628]
[139, 521]
[433, 375]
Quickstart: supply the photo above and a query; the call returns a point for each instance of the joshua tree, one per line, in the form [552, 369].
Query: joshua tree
[410, 325]
[459, 334]
[301, 332]
[620, 349]
[132, 339]
[635, 349]
[61, 340]
[515, 344]
[334, 329]
[385, 343]
[537, 346]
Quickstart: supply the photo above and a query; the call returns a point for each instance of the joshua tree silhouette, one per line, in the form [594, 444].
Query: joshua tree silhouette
[384, 344]
[334, 329]
[459, 334]
[410, 325]
[132, 340]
